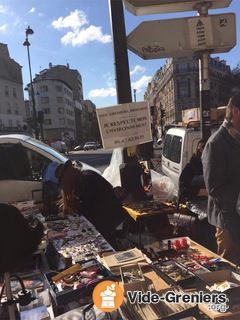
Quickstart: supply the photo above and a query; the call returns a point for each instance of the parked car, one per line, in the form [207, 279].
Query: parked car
[79, 147]
[22, 162]
[91, 145]
[60, 146]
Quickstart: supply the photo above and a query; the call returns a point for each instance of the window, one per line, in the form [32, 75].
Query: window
[61, 121]
[61, 110]
[29, 165]
[44, 89]
[45, 100]
[15, 108]
[172, 148]
[14, 92]
[8, 108]
[182, 67]
[46, 110]
[58, 88]
[59, 99]
[47, 122]
[6, 90]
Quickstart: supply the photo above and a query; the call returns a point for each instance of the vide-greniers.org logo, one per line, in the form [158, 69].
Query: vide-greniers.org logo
[216, 301]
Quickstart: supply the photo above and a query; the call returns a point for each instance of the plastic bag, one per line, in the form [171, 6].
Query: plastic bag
[112, 172]
[162, 187]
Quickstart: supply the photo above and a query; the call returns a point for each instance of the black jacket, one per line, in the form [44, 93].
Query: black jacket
[99, 203]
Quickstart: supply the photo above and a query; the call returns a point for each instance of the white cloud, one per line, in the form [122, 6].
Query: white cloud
[3, 9]
[141, 83]
[79, 35]
[75, 20]
[102, 93]
[3, 28]
[137, 69]
[32, 10]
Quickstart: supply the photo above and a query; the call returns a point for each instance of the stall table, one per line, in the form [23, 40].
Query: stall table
[141, 210]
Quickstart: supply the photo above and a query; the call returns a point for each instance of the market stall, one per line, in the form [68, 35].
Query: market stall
[77, 258]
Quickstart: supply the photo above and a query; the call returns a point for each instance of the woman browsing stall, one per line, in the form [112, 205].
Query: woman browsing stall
[88, 193]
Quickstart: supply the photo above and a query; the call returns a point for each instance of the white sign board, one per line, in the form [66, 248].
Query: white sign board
[125, 125]
[141, 7]
[179, 37]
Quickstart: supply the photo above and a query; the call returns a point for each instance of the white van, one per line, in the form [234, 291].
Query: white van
[179, 145]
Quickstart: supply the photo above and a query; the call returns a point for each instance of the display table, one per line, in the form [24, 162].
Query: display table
[141, 210]
[77, 239]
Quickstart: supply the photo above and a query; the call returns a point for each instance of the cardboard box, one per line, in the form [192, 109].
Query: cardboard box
[63, 296]
[206, 280]
[132, 277]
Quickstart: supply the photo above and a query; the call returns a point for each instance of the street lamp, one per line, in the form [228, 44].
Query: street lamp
[134, 93]
[26, 43]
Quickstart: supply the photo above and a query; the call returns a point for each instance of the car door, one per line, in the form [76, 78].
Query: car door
[21, 171]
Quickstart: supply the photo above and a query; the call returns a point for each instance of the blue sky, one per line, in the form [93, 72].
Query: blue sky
[78, 32]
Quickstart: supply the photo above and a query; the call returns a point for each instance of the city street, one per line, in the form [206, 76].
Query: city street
[98, 159]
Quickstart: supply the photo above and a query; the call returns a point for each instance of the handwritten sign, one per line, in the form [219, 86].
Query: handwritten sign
[125, 125]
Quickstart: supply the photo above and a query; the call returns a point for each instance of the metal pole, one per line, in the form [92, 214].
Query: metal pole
[35, 121]
[123, 84]
[204, 81]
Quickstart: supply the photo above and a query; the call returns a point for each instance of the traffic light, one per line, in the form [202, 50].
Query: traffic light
[163, 113]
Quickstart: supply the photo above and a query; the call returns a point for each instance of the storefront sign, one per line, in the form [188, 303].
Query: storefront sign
[125, 125]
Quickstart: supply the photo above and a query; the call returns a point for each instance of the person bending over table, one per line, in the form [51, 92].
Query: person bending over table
[88, 193]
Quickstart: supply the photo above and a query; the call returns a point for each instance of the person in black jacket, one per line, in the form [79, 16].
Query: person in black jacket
[193, 191]
[88, 193]
[221, 161]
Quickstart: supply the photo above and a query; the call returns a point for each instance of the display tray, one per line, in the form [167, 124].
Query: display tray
[79, 284]
[221, 282]
[174, 273]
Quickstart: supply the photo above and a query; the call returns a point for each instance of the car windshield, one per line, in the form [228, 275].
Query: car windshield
[47, 149]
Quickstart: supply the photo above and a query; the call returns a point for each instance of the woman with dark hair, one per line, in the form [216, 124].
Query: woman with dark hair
[193, 190]
[88, 193]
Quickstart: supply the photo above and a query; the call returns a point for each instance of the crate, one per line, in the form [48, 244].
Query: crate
[63, 296]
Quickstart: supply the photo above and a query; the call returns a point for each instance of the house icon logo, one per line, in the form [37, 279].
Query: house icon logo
[107, 296]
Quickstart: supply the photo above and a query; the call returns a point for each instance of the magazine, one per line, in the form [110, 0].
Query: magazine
[115, 260]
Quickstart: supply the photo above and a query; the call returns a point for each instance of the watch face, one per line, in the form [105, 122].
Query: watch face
[108, 304]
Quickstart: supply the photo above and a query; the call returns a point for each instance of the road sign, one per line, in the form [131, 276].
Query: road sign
[141, 7]
[179, 37]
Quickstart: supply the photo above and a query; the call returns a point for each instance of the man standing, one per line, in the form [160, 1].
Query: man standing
[221, 169]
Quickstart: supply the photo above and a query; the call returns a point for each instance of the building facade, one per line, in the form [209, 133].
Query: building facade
[12, 107]
[175, 87]
[58, 94]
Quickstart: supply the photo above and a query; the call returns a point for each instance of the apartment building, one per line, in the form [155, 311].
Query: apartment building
[12, 107]
[59, 95]
[175, 87]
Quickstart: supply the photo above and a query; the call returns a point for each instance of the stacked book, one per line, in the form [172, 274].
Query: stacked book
[115, 260]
